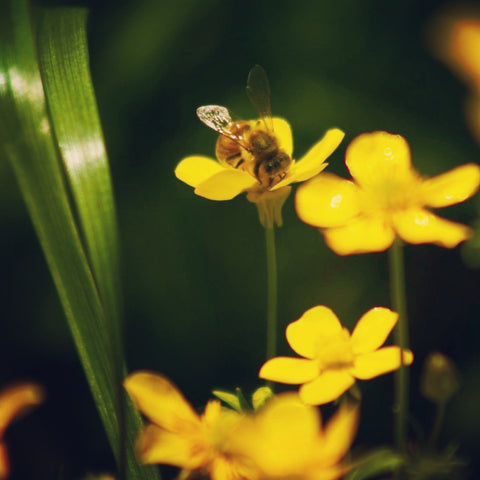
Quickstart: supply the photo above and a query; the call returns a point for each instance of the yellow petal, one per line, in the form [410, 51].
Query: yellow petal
[155, 445]
[16, 399]
[196, 169]
[360, 235]
[280, 437]
[212, 412]
[289, 370]
[421, 226]
[463, 54]
[225, 185]
[4, 463]
[313, 162]
[226, 467]
[158, 399]
[327, 387]
[339, 434]
[283, 132]
[451, 187]
[317, 322]
[379, 157]
[373, 364]
[327, 201]
[373, 329]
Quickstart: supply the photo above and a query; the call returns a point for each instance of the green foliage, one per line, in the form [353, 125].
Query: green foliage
[48, 116]
[376, 463]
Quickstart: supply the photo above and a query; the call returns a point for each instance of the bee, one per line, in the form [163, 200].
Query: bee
[249, 146]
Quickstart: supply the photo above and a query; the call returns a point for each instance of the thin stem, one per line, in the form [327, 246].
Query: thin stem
[271, 292]
[399, 304]
[439, 416]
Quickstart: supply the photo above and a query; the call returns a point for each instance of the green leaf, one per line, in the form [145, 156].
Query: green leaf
[244, 405]
[31, 136]
[376, 463]
[229, 398]
[261, 396]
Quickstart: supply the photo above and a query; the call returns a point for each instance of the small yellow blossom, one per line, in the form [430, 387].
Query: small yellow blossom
[14, 401]
[178, 436]
[386, 198]
[286, 440]
[334, 358]
[219, 181]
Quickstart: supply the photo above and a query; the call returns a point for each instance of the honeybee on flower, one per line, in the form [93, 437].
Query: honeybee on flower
[250, 146]
[254, 156]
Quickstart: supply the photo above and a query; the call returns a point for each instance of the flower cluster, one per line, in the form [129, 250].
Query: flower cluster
[386, 199]
[284, 439]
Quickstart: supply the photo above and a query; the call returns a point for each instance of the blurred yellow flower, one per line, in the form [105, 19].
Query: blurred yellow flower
[217, 180]
[14, 401]
[387, 197]
[286, 440]
[333, 357]
[178, 436]
[456, 41]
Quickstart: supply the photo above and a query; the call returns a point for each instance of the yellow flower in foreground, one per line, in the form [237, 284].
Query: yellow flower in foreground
[286, 440]
[333, 357]
[215, 180]
[387, 198]
[14, 401]
[178, 436]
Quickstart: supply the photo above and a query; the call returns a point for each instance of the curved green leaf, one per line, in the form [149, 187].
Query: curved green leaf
[85, 273]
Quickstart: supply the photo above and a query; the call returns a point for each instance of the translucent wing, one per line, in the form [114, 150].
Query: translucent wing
[258, 91]
[218, 118]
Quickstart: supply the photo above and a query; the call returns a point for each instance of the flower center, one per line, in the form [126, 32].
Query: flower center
[390, 194]
[334, 352]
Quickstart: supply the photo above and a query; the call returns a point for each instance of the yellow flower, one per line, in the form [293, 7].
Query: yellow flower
[456, 39]
[387, 198]
[286, 440]
[333, 357]
[178, 436]
[215, 180]
[15, 400]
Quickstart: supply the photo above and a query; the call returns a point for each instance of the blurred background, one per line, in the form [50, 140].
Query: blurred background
[194, 270]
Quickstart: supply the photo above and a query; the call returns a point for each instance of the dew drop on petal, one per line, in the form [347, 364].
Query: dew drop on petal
[423, 221]
[335, 201]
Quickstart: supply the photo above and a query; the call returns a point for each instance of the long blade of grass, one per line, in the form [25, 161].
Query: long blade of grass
[87, 284]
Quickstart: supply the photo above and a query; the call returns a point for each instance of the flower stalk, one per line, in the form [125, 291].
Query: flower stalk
[272, 292]
[399, 304]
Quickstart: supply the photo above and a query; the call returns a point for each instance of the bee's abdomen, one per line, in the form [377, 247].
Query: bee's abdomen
[229, 152]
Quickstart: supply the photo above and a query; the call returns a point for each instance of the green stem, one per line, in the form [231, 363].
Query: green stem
[399, 304]
[439, 416]
[271, 292]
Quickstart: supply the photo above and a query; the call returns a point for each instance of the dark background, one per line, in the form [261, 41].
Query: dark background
[194, 270]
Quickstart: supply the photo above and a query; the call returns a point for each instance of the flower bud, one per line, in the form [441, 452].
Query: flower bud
[260, 397]
[439, 380]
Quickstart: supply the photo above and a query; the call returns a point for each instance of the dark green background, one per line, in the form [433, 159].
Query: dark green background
[193, 269]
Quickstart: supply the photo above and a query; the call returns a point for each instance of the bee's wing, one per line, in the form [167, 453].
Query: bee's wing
[218, 118]
[258, 90]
